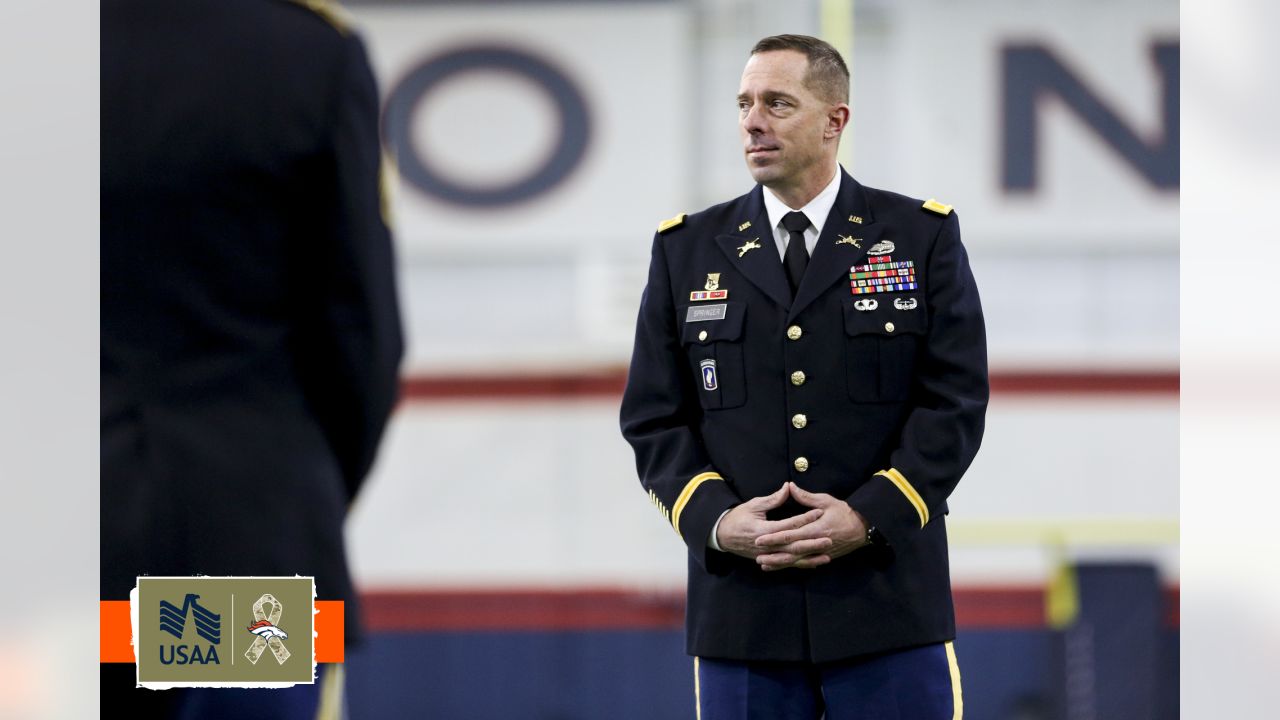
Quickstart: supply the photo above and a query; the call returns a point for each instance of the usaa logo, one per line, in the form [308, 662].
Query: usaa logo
[208, 627]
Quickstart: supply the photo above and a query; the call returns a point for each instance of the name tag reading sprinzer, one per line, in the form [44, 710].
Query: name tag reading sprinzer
[706, 312]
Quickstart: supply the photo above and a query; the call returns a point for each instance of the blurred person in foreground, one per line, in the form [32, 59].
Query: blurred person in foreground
[250, 335]
[808, 385]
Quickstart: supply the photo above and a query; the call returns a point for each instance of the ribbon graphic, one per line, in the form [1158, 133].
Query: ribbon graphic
[268, 634]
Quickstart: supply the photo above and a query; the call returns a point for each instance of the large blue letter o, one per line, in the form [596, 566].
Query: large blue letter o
[406, 98]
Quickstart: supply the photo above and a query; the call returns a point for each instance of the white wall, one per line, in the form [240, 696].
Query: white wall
[542, 493]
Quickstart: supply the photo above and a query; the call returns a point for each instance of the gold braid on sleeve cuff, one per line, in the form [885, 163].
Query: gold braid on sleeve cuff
[912, 496]
[687, 493]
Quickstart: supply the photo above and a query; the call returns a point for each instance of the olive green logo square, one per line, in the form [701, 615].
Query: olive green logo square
[224, 631]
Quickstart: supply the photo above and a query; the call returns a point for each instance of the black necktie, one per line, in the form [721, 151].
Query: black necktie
[796, 259]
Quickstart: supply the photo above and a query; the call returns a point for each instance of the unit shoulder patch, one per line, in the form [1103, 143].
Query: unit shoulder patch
[935, 206]
[670, 223]
[330, 10]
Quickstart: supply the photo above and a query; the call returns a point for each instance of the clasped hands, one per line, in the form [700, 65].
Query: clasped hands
[814, 538]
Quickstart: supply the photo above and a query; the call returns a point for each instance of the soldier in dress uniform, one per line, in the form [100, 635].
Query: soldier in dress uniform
[250, 330]
[807, 387]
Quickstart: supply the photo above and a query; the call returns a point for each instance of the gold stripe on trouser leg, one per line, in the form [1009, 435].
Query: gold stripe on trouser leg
[957, 701]
[331, 693]
[697, 690]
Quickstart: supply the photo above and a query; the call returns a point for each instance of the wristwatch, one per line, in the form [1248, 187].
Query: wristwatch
[875, 538]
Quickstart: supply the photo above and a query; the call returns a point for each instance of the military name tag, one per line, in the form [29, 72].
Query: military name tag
[706, 312]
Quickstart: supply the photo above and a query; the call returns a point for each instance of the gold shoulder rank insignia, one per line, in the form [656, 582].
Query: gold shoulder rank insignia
[674, 222]
[935, 206]
[333, 13]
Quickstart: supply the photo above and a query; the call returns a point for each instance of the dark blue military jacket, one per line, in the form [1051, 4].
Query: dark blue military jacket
[871, 385]
[250, 330]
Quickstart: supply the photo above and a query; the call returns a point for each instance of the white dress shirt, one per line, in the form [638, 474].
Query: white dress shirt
[816, 210]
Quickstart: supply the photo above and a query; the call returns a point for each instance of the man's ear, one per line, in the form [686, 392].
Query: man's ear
[837, 120]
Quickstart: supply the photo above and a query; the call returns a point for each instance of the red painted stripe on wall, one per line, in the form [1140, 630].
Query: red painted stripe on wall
[597, 609]
[608, 384]
[516, 386]
[977, 608]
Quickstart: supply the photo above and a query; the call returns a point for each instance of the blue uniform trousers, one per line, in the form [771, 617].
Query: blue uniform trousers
[324, 700]
[921, 683]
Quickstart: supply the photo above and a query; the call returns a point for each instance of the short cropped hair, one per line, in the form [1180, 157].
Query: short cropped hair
[828, 76]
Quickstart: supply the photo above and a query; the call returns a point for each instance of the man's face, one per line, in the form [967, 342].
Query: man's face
[782, 123]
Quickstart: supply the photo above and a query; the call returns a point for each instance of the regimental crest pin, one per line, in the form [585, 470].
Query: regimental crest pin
[884, 247]
[752, 244]
[712, 292]
[904, 303]
[866, 304]
[849, 240]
